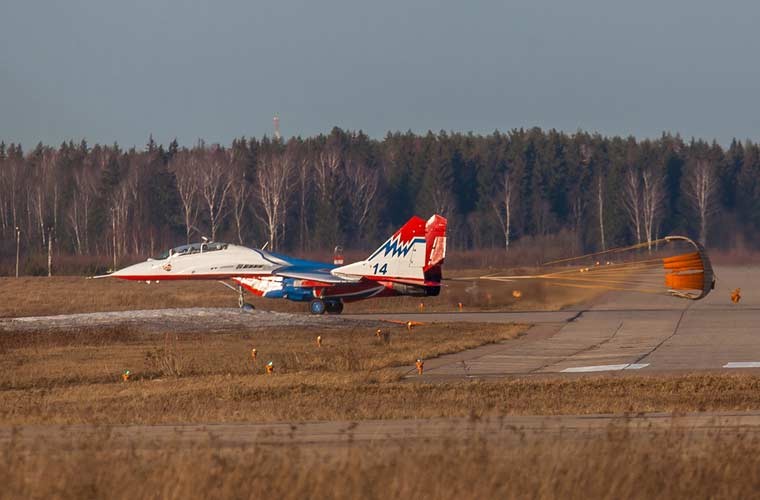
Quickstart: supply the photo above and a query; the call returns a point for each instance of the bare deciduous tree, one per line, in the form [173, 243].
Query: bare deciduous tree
[14, 183]
[327, 170]
[121, 202]
[183, 166]
[273, 178]
[652, 196]
[81, 202]
[700, 191]
[362, 186]
[214, 184]
[502, 205]
[600, 206]
[45, 194]
[632, 200]
[303, 168]
[240, 195]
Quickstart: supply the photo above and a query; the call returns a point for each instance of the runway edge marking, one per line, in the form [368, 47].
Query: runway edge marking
[742, 364]
[605, 368]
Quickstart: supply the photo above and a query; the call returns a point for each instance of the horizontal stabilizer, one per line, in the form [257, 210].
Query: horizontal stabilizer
[321, 276]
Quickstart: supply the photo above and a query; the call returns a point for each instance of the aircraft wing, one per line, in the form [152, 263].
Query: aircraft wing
[322, 276]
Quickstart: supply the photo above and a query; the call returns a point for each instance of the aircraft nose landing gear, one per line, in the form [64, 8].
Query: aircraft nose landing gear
[245, 306]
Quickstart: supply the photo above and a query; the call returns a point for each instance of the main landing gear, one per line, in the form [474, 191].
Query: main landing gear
[319, 306]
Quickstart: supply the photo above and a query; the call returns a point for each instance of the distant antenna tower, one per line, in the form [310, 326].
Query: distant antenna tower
[276, 120]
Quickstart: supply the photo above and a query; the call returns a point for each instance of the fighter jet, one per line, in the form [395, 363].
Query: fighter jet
[408, 263]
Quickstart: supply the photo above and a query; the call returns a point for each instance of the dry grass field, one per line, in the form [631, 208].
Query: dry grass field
[75, 377]
[673, 463]
[35, 296]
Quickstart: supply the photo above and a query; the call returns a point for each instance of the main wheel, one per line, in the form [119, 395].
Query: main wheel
[334, 307]
[317, 306]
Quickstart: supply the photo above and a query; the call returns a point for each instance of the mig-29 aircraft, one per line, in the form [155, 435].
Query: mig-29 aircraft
[408, 263]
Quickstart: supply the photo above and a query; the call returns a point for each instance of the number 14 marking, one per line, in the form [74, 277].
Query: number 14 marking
[382, 270]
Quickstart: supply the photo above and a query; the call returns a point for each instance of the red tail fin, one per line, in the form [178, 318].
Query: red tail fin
[435, 248]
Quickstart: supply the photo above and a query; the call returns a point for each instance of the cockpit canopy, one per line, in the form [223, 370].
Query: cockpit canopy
[192, 248]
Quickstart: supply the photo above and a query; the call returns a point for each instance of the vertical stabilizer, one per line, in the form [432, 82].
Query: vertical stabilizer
[403, 255]
[435, 248]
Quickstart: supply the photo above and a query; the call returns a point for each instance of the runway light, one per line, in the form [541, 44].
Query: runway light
[460, 306]
[270, 368]
[319, 341]
[420, 366]
[736, 295]
[412, 324]
[421, 306]
[383, 335]
[516, 294]
[254, 353]
[125, 376]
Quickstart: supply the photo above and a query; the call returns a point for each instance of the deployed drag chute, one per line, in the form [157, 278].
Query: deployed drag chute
[674, 265]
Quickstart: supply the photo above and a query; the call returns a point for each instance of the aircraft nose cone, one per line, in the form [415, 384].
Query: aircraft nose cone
[135, 270]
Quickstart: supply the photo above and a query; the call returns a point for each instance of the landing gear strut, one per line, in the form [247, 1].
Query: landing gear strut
[242, 304]
[245, 306]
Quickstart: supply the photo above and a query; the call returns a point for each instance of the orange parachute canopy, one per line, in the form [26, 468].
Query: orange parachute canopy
[689, 275]
[674, 265]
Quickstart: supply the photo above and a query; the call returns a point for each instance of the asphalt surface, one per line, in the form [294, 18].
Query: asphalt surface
[621, 332]
[192, 319]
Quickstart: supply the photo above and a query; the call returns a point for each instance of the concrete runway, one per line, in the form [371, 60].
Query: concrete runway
[621, 332]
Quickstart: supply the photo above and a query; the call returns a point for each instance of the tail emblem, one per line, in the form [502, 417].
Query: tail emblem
[396, 247]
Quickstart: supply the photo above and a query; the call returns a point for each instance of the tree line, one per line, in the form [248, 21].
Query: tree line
[345, 188]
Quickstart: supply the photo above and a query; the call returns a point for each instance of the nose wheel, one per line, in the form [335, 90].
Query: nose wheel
[242, 304]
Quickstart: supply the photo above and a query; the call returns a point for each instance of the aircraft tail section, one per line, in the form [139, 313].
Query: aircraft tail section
[403, 256]
[435, 248]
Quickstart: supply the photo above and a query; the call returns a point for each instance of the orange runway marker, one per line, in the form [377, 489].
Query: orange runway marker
[420, 366]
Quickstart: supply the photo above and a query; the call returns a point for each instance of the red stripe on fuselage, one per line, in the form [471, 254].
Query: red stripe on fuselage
[178, 277]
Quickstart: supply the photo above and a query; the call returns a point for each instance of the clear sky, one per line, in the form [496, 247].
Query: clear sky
[121, 70]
